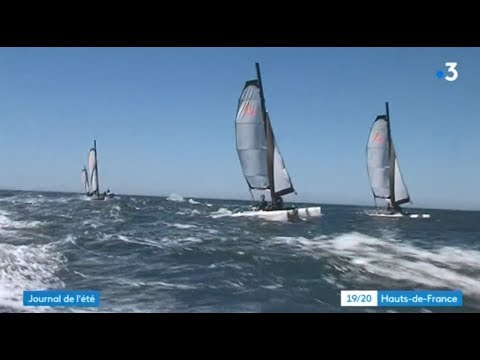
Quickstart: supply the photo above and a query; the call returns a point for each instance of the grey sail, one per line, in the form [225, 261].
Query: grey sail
[250, 135]
[384, 173]
[378, 159]
[401, 192]
[281, 178]
[260, 157]
[85, 180]
[92, 170]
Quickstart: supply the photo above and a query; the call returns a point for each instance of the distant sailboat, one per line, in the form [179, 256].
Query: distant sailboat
[92, 175]
[260, 158]
[386, 180]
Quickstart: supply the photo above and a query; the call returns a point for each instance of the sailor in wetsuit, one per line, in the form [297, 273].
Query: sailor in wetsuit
[278, 204]
[392, 209]
[389, 205]
[262, 205]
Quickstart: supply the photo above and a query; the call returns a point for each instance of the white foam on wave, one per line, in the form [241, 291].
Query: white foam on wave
[447, 267]
[115, 213]
[28, 267]
[94, 223]
[176, 198]
[188, 212]
[165, 242]
[167, 285]
[222, 212]
[191, 201]
[8, 224]
[183, 226]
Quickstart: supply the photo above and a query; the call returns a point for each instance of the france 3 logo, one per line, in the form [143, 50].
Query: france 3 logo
[451, 73]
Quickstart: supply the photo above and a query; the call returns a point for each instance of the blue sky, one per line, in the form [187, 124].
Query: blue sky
[164, 119]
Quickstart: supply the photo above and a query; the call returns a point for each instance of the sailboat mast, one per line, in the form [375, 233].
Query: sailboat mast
[96, 166]
[391, 155]
[268, 135]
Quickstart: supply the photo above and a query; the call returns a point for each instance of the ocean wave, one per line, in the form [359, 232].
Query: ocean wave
[446, 267]
[28, 267]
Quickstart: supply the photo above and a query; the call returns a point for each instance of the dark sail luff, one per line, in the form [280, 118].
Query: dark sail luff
[391, 156]
[279, 179]
[269, 137]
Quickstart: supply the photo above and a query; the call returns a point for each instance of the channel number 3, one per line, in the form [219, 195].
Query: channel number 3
[451, 70]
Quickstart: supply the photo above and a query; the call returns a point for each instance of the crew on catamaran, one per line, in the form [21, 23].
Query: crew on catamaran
[262, 205]
[393, 209]
[389, 204]
[279, 204]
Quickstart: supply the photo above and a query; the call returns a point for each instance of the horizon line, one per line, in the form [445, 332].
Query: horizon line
[233, 199]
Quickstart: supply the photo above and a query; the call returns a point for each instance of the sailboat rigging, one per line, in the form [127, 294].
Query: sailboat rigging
[260, 158]
[261, 161]
[92, 176]
[385, 177]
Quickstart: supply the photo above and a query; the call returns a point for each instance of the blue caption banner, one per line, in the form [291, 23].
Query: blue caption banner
[83, 298]
[424, 298]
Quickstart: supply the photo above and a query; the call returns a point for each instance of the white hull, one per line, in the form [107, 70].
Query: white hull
[94, 198]
[423, 216]
[283, 215]
[398, 215]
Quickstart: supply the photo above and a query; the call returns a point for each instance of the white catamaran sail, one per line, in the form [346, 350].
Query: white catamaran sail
[261, 161]
[93, 170]
[93, 175]
[384, 173]
[386, 180]
[85, 182]
[260, 158]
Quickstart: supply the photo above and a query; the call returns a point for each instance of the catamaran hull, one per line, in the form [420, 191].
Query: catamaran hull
[283, 215]
[412, 216]
[100, 198]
